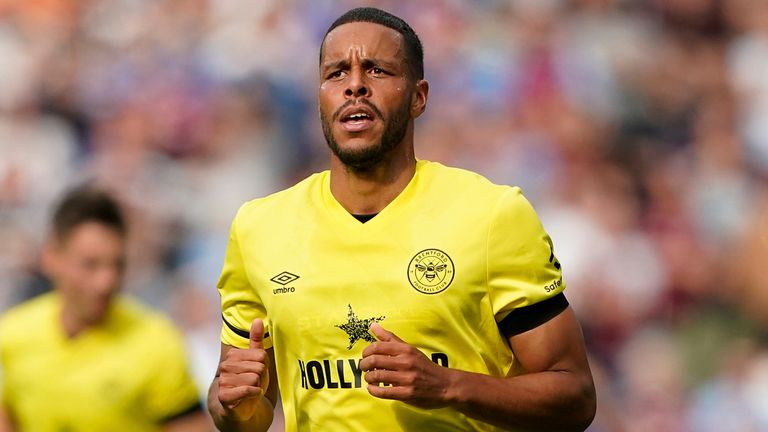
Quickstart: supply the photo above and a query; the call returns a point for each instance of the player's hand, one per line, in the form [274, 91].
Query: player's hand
[407, 374]
[243, 375]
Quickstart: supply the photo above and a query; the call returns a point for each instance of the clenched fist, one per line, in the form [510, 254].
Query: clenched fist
[244, 376]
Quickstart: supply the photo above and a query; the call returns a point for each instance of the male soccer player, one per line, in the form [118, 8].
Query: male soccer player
[84, 358]
[391, 293]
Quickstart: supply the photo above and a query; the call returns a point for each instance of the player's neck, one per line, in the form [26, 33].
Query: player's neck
[369, 191]
[72, 323]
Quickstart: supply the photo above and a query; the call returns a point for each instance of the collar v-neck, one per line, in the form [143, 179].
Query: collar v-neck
[363, 218]
[395, 206]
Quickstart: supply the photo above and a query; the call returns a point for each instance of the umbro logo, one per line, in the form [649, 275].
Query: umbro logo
[284, 278]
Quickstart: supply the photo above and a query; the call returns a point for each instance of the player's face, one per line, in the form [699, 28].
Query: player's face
[87, 269]
[366, 98]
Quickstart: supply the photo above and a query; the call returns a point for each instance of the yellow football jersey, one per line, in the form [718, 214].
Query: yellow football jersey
[440, 267]
[129, 374]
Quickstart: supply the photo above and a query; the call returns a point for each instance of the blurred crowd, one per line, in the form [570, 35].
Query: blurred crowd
[637, 128]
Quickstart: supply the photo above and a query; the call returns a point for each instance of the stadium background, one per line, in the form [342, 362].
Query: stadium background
[638, 129]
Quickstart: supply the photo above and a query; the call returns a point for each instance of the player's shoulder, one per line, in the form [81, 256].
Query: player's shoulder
[468, 184]
[31, 311]
[290, 199]
[131, 313]
[145, 331]
[36, 313]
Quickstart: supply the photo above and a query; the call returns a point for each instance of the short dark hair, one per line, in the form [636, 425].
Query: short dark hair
[413, 50]
[87, 203]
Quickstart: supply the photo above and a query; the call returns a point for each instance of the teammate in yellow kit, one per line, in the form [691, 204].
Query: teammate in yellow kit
[84, 358]
[390, 293]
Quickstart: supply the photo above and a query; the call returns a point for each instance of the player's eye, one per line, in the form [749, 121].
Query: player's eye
[335, 74]
[377, 71]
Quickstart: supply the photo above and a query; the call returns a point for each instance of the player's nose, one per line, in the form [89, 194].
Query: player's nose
[356, 86]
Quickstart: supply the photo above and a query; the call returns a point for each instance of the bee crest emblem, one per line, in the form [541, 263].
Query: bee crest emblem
[430, 271]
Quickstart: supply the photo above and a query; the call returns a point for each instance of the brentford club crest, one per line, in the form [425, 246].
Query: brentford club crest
[430, 271]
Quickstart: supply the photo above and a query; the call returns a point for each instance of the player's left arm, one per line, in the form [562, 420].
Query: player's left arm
[556, 391]
[190, 416]
[172, 396]
[6, 424]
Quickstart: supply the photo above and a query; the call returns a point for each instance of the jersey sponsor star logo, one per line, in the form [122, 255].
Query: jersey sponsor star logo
[357, 328]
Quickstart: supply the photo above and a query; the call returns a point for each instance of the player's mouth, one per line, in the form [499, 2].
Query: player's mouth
[357, 118]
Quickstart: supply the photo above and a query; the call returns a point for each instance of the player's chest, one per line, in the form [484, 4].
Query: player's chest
[91, 372]
[331, 283]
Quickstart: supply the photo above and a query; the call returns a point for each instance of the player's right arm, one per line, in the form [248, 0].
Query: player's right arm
[243, 394]
[5, 422]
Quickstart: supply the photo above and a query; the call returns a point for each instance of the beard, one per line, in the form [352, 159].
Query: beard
[364, 159]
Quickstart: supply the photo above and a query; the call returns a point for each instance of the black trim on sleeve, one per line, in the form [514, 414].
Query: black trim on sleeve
[195, 408]
[241, 333]
[529, 317]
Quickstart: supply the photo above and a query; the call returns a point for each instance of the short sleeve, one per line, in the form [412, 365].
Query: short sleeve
[240, 302]
[172, 391]
[522, 267]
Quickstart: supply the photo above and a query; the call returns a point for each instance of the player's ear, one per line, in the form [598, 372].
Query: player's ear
[419, 98]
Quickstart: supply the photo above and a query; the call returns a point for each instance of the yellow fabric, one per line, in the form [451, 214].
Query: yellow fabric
[482, 252]
[127, 375]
